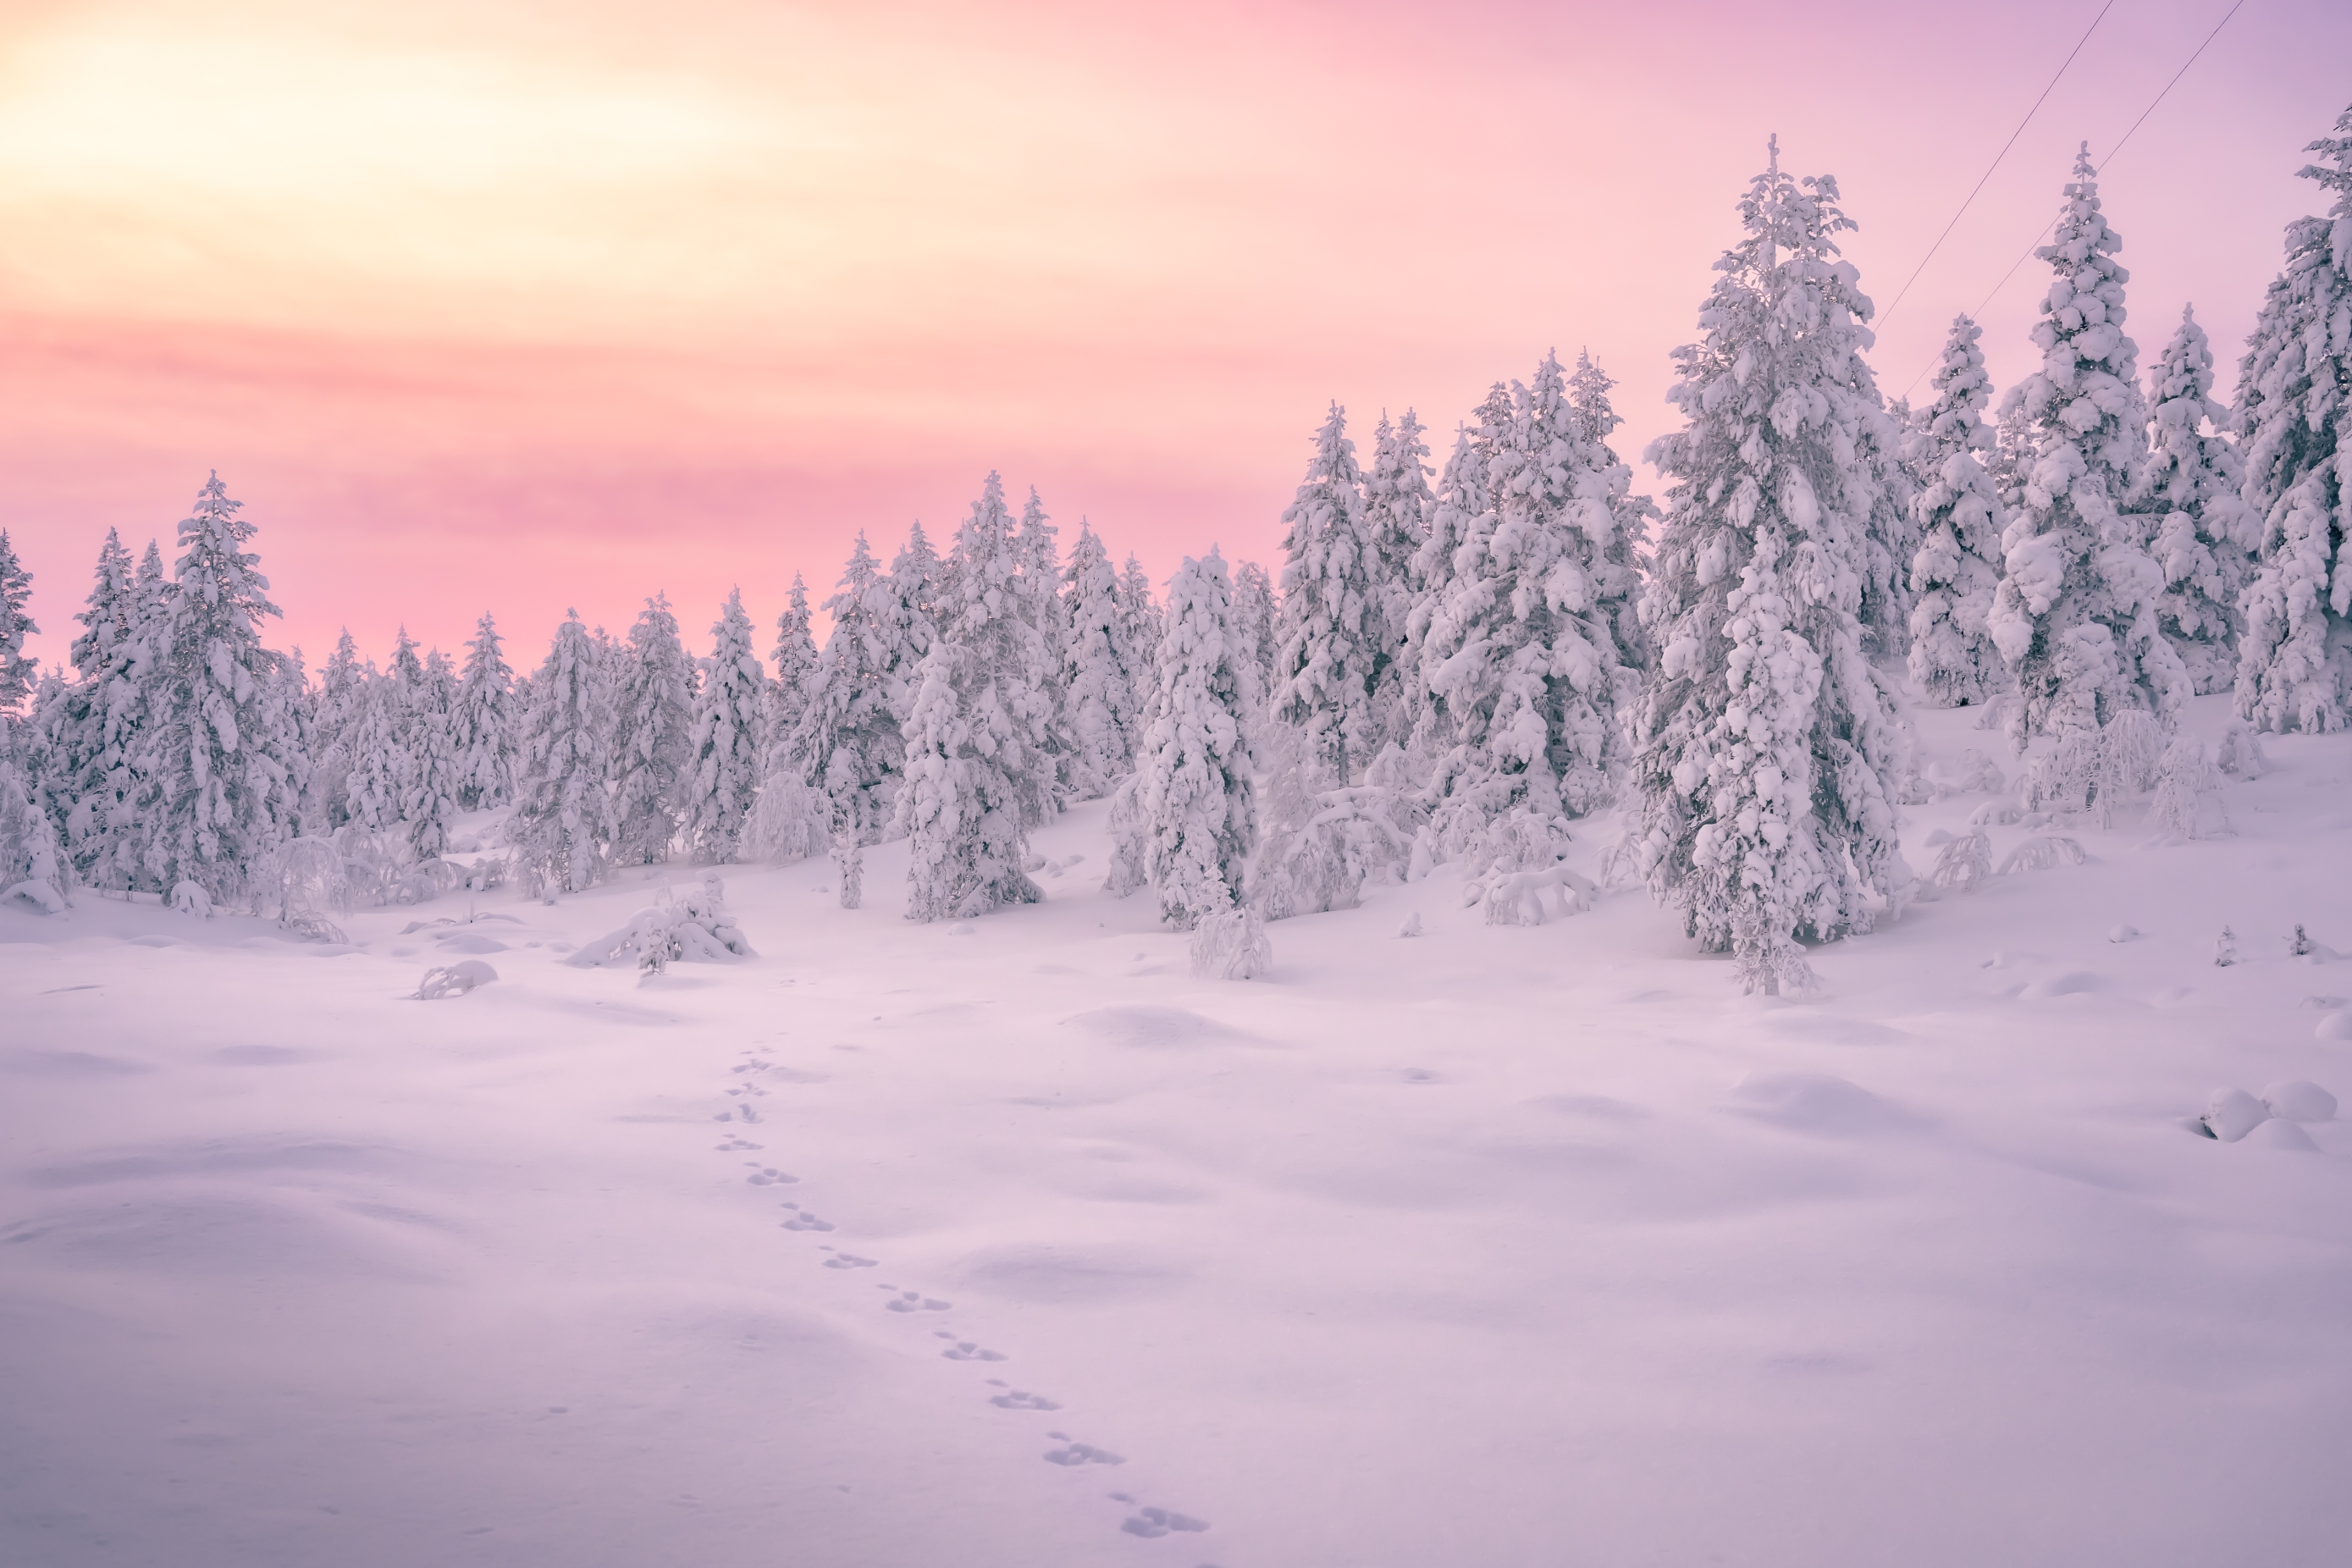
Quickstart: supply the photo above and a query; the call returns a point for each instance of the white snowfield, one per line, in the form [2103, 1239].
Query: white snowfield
[1007, 1244]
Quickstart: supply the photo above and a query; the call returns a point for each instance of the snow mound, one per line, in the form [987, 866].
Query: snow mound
[454, 979]
[2334, 1026]
[1151, 1027]
[1815, 1103]
[2298, 1100]
[693, 927]
[2277, 1134]
[2074, 982]
[2231, 1113]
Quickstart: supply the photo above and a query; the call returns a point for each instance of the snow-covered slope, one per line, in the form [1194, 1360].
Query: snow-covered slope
[1008, 1243]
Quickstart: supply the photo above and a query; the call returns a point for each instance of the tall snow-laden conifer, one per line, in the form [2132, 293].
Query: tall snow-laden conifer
[1039, 596]
[1620, 556]
[16, 667]
[907, 617]
[784, 702]
[1254, 635]
[2188, 485]
[976, 756]
[562, 826]
[2295, 663]
[340, 694]
[432, 806]
[1520, 649]
[1959, 517]
[1139, 614]
[213, 794]
[856, 754]
[1101, 702]
[655, 743]
[91, 730]
[1768, 750]
[485, 732]
[1396, 506]
[1328, 627]
[2076, 613]
[383, 769]
[726, 736]
[1194, 800]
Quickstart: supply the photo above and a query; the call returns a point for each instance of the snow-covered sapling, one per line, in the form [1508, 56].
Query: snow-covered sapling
[2225, 948]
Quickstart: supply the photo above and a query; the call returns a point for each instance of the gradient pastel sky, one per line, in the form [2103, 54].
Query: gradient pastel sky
[513, 306]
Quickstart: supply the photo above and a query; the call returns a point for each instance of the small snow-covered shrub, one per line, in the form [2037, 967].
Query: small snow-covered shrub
[2040, 854]
[789, 821]
[191, 899]
[2225, 948]
[31, 868]
[1231, 944]
[693, 926]
[849, 868]
[2241, 754]
[1531, 898]
[454, 979]
[2184, 778]
[1322, 865]
[306, 878]
[1129, 837]
[2063, 776]
[1965, 864]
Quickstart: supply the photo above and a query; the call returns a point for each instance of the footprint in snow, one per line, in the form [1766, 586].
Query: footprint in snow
[767, 1175]
[804, 1220]
[849, 1259]
[1154, 1522]
[914, 1301]
[1077, 1453]
[1020, 1399]
[734, 1145]
[965, 1350]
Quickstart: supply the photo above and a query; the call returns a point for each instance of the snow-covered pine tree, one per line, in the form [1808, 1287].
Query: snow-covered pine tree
[33, 866]
[1463, 499]
[1768, 750]
[976, 760]
[1396, 506]
[17, 667]
[1038, 594]
[784, 701]
[294, 698]
[341, 693]
[212, 774]
[91, 729]
[432, 806]
[2295, 664]
[487, 719]
[1959, 519]
[2189, 483]
[1521, 648]
[1142, 612]
[726, 780]
[1618, 559]
[1253, 632]
[562, 826]
[383, 769]
[2076, 613]
[905, 616]
[855, 753]
[654, 757]
[1101, 705]
[1195, 806]
[1324, 672]
[1891, 535]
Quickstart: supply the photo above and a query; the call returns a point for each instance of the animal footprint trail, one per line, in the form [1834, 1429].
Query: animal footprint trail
[767, 1175]
[1077, 1453]
[734, 1145]
[804, 1220]
[848, 1259]
[966, 1349]
[914, 1301]
[1155, 1521]
[1020, 1399]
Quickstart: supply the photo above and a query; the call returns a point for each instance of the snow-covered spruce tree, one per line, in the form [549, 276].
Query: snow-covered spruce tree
[1960, 518]
[2295, 663]
[785, 702]
[17, 666]
[341, 691]
[487, 721]
[1619, 559]
[907, 617]
[33, 866]
[1101, 703]
[857, 755]
[383, 769]
[1882, 481]
[653, 764]
[1038, 594]
[1254, 631]
[1324, 672]
[1142, 613]
[1196, 810]
[2188, 484]
[2076, 615]
[1521, 648]
[1396, 506]
[89, 732]
[432, 806]
[1463, 499]
[212, 795]
[726, 736]
[562, 826]
[1767, 746]
[976, 759]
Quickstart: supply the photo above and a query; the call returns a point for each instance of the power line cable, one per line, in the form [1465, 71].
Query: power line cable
[1997, 157]
[2102, 168]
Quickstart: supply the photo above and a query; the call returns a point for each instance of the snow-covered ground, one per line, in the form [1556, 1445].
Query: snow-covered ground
[1008, 1243]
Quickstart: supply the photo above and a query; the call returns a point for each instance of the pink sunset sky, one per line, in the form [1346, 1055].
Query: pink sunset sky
[513, 306]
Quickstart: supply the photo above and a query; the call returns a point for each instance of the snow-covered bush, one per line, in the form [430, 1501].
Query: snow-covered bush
[307, 879]
[791, 821]
[2241, 756]
[32, 867]
[1964, 865]
[1352, 836]
[692, 925]
[1231, 944]
[2183, 779]
[1531, 898]
[454, 979]
[2042, 854]
[190, 898]
[1129, 832]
